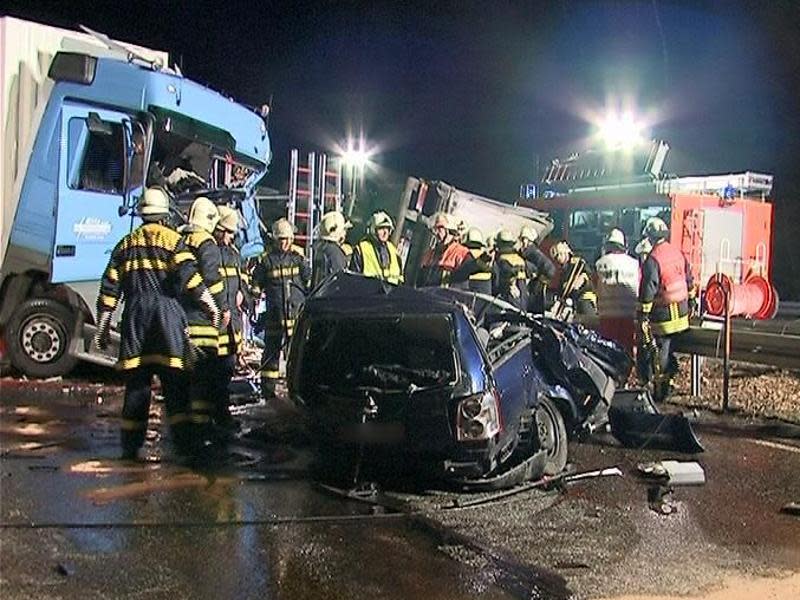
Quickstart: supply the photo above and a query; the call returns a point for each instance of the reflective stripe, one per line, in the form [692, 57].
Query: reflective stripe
[112, 274]
[183, 257]
[203, 330]
[200, 405]
[646, 307]
[271, 374]
[671, 326]
[228, 272]
[481, 276]
[142, 264]
[178, 418]
[131, 425]
[216, 288]
[151, 359]
[283, 272]
[200, 419]
[194, 281]
[204, 342]
[108, 301]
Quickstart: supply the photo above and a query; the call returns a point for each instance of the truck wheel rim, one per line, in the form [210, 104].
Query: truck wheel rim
[41, 339]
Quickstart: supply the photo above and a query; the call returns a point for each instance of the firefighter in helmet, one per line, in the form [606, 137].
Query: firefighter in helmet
[617, 291]
[475, 272]
[283, 275]
[574, 280]
[203, 333]
[666, 295]
[542, 268]
[510, 272]
[148, 271]
[329, 256]
[375, 255]
[447, 254]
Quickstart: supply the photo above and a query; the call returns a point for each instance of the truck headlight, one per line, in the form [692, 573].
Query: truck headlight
[478, 417]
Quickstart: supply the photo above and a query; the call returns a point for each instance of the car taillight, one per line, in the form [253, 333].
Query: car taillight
[478, 417]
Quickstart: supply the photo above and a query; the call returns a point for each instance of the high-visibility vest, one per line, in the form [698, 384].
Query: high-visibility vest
[480, 275]
[372, 264]
[617, 285]
[672, 268]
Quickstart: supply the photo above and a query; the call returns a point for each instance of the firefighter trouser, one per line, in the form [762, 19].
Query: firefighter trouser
[225, 366]
[136, 408]
[202, 390]
[277, 333]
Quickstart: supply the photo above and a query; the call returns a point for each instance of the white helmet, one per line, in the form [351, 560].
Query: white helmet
[204, 214]
[474, 238]
[378, 220]
[445, 220]
[560, 252]
[228, 219]
[644, 247]
[333, 226]
[154, 202]
[616, 237]
[655, 228]
[527, 232]
[282, 230]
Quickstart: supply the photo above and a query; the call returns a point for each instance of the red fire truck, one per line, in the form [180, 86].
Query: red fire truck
[722, 223]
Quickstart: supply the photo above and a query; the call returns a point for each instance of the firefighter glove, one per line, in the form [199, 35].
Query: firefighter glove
[103, 330]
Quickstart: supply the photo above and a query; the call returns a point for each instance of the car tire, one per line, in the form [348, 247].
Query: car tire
[39, 335]
[552, 436]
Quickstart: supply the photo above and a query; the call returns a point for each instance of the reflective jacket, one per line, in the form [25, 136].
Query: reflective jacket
[148, 270]
[374, 259]
[329, 258]
[283, 277]
[234, 281]
[510, 278]
[202, 244]
[570, 275]
[439, 263]
[665, 290]
[617, 285]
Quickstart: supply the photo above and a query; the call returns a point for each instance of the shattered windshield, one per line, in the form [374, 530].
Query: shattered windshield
[388, 353]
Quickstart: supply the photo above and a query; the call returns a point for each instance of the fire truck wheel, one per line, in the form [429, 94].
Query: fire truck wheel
[39, 334]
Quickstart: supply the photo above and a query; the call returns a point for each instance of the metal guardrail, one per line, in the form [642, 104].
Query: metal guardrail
[788, 310]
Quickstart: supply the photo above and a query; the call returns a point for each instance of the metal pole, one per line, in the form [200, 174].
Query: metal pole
[697, 373]
[726, 367]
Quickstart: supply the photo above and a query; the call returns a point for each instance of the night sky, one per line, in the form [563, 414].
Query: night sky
[475, 92]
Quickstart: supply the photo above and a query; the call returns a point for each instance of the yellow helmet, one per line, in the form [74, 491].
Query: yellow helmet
[282, 230]
[378, 220]
[204, 214]
[527, 232]
[474, 238]
[228, 219]
[154, 202]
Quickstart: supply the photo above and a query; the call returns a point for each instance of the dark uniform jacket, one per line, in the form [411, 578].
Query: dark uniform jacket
[329, 258]
[234, 281]
[475, 273]
[282, 276]
[665, 290]
[202, 331]
[583, 297]
[510, 278]
[148, 270]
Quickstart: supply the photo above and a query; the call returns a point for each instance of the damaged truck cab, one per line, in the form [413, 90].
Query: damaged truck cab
[91, 126]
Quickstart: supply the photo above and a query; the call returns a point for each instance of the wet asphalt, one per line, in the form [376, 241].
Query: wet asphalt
[76, 522]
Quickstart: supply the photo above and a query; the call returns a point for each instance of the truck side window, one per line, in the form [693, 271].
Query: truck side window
[95, 160]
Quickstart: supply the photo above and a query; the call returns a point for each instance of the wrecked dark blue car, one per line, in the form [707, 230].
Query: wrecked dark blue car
[445, 377]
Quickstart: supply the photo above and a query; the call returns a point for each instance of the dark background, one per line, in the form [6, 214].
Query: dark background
[474, 93]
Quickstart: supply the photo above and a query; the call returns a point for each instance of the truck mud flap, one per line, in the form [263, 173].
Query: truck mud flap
[636, 423]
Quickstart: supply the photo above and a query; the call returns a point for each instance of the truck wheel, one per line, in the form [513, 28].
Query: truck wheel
[552, 434]
[39, 334]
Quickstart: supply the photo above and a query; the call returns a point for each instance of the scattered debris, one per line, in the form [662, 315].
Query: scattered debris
[659, 498]
[65, 569]
[43, 467]
[792, 508]
[673, 472]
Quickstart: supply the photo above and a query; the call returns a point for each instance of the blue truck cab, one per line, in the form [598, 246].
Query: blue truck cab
[110, 126]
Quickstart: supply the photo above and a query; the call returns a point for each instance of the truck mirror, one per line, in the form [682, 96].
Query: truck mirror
[98, 126]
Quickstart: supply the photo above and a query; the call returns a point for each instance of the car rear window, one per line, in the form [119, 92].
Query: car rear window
[390, 353]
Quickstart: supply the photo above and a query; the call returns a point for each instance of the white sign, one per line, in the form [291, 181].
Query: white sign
[90, 228]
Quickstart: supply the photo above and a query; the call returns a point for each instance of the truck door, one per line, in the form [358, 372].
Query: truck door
[93, 163]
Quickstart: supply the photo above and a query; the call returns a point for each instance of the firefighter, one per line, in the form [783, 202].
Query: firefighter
[282, 274]
[475, 273]
[574, 279]
[147, 271]
[329, 257]
[376, 256]
[229, 346]
[510, 271]
[204, 334]
[447, 254]
[543, 269]
[666, 295]
[617, 291]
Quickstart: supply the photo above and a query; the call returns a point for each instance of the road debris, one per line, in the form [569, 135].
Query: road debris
[792, 508]
[65, 569]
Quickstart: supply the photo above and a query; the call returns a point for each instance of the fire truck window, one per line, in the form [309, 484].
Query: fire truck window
[95, 159]
[587, 229]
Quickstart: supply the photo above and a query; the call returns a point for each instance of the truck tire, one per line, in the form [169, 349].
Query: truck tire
[552, 434]
[39, 335]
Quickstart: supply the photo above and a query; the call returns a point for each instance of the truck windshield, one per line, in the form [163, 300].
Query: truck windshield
[388, 352]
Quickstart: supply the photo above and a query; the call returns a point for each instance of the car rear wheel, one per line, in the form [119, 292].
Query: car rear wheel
[552, 434]
[39, 335]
